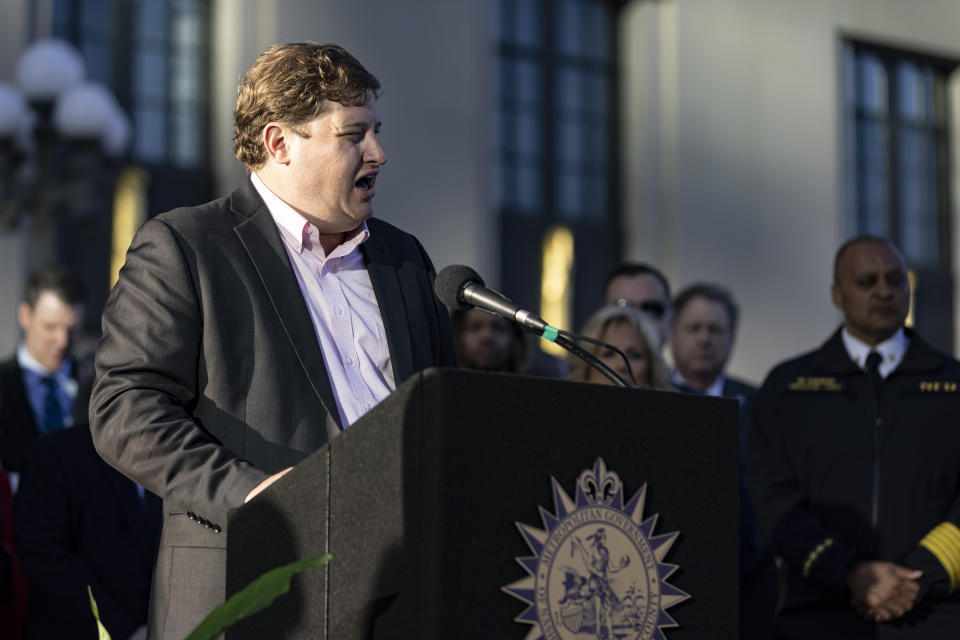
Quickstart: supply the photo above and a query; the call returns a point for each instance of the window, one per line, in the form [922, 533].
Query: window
[897, 167]
[154, 55]
[556, 145]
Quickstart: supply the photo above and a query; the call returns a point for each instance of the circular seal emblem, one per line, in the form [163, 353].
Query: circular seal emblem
[597, 570]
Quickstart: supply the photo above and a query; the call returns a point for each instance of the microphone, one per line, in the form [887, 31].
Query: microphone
[460, 287]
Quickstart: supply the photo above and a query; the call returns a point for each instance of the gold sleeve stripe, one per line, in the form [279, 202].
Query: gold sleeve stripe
[946, 556]
[943, 542]
[813, 555]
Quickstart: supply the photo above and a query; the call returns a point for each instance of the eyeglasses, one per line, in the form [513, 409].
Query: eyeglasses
[653, 308]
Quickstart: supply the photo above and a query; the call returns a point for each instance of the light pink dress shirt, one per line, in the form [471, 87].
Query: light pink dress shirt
[343, 308]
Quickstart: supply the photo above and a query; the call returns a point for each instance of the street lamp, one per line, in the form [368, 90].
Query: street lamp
[58, 132]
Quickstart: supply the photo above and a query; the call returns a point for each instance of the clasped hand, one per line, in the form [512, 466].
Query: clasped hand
[883, 591]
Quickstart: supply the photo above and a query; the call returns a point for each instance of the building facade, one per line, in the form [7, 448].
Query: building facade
[735, 141]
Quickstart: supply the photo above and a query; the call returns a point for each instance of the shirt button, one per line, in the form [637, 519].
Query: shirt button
[339, 311]
[879, 421]
[349, 361]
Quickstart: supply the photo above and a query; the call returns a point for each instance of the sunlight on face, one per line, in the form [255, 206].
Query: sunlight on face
[48, 328]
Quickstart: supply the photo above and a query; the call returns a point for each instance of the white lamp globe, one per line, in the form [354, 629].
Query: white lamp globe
[47, 67]
[84, 111]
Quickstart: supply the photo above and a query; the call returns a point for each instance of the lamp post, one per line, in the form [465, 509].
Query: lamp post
[60, 136]
[58, 132]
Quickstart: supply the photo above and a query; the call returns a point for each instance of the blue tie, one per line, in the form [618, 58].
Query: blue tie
[52, 409]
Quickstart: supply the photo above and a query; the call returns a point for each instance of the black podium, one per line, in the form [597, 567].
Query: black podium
[418, 503]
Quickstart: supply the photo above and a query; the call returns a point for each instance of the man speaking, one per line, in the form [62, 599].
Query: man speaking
[245, 333]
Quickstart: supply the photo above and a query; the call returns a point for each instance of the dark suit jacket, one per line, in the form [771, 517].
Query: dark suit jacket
[210, 375]
[745, 394]
[17, 423]
[758, 576]
[79, 522]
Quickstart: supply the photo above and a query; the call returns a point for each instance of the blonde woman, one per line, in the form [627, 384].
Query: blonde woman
[632, 332]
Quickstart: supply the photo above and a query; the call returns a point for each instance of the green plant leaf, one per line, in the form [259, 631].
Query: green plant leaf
[101, 630]
[257, 595]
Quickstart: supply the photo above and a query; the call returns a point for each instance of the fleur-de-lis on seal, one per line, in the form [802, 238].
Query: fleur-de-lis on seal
[599, 485]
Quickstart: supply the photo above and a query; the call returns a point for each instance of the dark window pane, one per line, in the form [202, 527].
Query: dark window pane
[871, 84]
[874, 208]
[595, 94]
[185, 80]
[873, 163]
[150, 73]
[849, 79]
[918, 197]
[595, 28]
[151, 22]
[528, 186]
[523, 20]
[151, 135]
[529, 89]
[63, 19]
[99, 62]
[568, 33]
[595, 205]
[187, 24]
[595, 146]
[570, 143]
[913, 96]
[570, 196]
[569, 91]
[527, 140]
[187, 139]
[97, 15]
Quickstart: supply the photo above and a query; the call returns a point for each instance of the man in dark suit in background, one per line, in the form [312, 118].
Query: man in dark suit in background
[704, 328]
[245, 333]
[701, 341]
[78, 523]
[39, 385]
[39, 389]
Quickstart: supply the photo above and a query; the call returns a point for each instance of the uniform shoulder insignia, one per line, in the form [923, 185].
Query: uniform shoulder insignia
[811, 383]
[939, 386]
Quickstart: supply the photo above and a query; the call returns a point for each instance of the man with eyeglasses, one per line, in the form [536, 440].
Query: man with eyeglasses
[643, 286]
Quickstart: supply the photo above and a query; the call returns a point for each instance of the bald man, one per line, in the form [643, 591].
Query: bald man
[854, 463]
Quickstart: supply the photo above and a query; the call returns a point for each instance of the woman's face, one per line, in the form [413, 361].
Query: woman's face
[625, 337]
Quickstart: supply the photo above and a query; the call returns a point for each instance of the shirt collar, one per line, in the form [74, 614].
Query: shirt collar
[891, 350]
[29, 363]
[714, 390]
[298, 229]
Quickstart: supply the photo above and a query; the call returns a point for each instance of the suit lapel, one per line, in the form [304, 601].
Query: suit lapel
[259, 236]
[386, 286]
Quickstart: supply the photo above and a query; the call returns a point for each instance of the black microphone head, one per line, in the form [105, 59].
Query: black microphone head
[450, 281]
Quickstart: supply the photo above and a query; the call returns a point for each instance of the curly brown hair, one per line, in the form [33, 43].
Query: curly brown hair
[290, 84]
